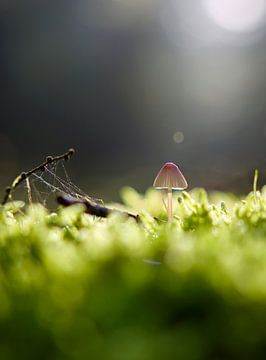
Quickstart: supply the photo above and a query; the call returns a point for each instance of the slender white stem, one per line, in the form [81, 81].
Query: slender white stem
[170, 205]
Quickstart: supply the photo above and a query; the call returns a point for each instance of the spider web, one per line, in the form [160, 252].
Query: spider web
[44, 186]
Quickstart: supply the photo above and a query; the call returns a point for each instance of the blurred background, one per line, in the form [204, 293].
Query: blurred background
[131, 84]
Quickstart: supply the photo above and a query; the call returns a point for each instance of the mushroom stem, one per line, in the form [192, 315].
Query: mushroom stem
[170, 205]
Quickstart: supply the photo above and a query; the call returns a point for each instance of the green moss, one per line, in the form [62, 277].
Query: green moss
[76, 287]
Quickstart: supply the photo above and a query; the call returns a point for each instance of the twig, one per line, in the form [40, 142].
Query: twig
[93, 209]
[25, 175]
[29, 190]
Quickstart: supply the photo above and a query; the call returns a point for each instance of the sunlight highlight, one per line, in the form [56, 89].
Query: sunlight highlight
[236, 15]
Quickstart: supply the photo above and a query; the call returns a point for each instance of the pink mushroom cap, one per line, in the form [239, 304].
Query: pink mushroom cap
[170, 177]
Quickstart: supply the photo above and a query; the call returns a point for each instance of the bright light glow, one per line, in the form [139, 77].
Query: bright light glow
[236, 15]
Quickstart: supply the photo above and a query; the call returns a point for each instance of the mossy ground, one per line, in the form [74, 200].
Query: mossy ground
[76, 287]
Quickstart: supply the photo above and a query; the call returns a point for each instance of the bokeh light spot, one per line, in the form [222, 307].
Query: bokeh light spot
[178, 137]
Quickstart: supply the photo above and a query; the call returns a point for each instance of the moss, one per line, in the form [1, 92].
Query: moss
[76, 287]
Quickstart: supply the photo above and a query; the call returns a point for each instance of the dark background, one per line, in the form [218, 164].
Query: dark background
[131, 84]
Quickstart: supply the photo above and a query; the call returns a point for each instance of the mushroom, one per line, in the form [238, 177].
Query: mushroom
[170, 178]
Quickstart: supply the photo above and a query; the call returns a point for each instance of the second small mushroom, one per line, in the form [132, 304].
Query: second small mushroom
[170, 178]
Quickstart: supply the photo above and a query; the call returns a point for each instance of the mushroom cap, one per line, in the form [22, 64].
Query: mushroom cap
[170, 177]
